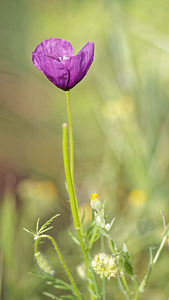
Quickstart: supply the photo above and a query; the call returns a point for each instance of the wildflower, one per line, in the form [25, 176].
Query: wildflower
[55, 59]
[104, 265]
[95, 202]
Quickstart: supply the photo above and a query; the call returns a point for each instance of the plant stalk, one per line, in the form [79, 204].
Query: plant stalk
[76, 291]
[159, 249]
[74, 206]
[70, 135]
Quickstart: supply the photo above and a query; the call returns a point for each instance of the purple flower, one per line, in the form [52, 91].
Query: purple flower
[54, 58]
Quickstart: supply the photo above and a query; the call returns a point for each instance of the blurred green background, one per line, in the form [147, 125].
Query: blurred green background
[120, 115]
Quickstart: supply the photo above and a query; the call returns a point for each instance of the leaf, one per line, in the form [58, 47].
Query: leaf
[89, 230]
[29, 231]
[128, 268]
[62, 287]
[37, 225]
[93, 238]
[104, 232]
[113, 246]
[73, 238]
[59, 282]
[148, 273]
[44, 276]
[83, 216]
[128, 265]
[45, 227]
[51, 296]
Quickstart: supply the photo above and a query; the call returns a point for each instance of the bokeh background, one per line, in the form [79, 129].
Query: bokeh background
[120, 115]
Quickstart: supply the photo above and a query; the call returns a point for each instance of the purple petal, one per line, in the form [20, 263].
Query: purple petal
[54, 48]
[79, 64]
[55, 71]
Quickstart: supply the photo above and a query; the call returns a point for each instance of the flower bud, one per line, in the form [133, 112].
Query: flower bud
[95, 202]
[43, 264]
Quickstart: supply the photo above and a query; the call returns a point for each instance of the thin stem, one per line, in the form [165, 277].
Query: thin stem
[103, 279]
[70, 134]
[76, 291]
[71, 152]
[163, 217]
[71, 190]
[74, 206]
[159, 249]
[125, 284]
[136, 288]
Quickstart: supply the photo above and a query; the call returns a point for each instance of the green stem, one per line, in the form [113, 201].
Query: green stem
[159, 249]
[70, 134]
[76, 291]
[136, 288]
[103, 279]
[70, 187]
[122, 276]
[74, 206]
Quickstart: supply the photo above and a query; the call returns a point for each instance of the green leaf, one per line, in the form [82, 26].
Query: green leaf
[73, 238]
[29, 231]
[83, 216]
[113, 246]
[62, 287]
[59, 282]
[128, 268]
[148, 273]
[93, 238]
[51, 296]
[45, 227]
[89, 230]
[128, 265]
[104, 232]
[37, 224]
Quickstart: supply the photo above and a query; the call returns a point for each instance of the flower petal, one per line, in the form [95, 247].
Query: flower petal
[79, 64]
[55, 71]
[54, 48]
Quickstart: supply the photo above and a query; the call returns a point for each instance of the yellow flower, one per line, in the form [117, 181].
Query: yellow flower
[94, 197]
[95, 202]
[137, 197]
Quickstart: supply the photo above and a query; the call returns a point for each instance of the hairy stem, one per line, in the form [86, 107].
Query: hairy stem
[76, 291]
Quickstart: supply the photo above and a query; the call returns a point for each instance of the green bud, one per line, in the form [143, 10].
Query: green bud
[43, 264]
